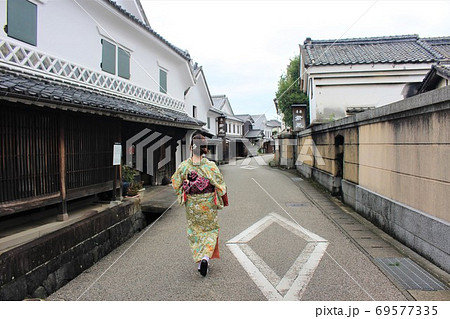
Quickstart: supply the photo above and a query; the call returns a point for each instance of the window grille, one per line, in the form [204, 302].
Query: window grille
[27, 60]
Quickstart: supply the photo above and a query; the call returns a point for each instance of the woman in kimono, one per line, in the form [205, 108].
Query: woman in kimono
[201, 188]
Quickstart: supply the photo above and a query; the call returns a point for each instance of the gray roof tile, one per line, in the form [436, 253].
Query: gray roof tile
[254, 133]
[441, 45]
[393, 49]
[434, 76]
[219, 101]
[273, 123]
[443, 70]
[49, 92]
[181, 52]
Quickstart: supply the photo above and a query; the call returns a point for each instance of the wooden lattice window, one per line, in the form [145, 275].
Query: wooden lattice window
[29, 158]
[89, 151]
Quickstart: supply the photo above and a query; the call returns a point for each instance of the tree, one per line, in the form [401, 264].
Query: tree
[289, 91]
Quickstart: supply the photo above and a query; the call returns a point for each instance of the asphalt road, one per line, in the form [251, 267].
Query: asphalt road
[275, 244]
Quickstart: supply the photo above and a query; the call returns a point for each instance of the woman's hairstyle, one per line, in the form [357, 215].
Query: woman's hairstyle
[201, 142]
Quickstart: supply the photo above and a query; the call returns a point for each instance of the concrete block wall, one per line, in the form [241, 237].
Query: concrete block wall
[422, 232]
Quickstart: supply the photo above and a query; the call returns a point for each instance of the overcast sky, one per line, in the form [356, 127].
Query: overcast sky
[244, 46]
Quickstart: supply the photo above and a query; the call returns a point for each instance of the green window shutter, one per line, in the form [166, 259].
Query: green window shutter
[123, 64]
[162, 81]
[108, 57]
[22, 20]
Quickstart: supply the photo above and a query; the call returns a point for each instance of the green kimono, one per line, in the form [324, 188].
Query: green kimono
[201, 209]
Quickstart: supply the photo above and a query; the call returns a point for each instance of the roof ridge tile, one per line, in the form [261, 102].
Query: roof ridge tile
[119, 8]
[388, 49]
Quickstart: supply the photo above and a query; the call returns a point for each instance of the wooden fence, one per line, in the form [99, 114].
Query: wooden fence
[32, 171]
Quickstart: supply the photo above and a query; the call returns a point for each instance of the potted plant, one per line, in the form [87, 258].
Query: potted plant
[134, 188]
[131, 187]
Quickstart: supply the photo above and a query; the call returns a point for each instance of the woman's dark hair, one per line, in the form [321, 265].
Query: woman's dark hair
[200, 141]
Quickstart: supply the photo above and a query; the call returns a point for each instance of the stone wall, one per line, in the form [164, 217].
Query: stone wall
[394, 170]
[285, 150]
[39, 268]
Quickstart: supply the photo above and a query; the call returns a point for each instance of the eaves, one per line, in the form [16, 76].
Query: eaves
[86, 109]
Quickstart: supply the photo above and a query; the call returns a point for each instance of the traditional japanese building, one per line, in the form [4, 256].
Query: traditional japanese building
[345, 76]
[72, 87]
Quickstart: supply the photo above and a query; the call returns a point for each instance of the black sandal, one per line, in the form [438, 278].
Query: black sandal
[203, 267]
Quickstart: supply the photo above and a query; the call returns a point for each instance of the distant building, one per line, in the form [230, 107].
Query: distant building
[199, 103]
[248, 122]
[259, 131]
[275, 126]
[234, 126]
[253, 135]
[345, 76]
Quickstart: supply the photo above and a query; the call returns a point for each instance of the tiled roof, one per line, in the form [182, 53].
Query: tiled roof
[259, 121]
[124, 12]
[393, 49]
[245, 117]
[434, 76]
[234, 118]
[254, 133]
[443, 70]
[13, 85]
[441, 45]
[213, 109]
[273, 123]
[219, 101]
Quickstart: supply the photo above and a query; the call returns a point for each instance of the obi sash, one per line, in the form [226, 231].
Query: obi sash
[195, 184]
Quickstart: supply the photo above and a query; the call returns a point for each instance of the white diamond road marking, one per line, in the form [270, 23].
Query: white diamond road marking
[293, 284]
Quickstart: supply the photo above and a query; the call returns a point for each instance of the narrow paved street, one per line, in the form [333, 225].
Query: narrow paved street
[275, 244]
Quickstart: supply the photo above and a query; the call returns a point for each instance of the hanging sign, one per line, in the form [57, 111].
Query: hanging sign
[117, 154]
[299, 116]
[221, 127]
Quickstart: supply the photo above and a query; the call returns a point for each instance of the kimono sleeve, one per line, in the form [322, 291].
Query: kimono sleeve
[217, 180]
[177, 179]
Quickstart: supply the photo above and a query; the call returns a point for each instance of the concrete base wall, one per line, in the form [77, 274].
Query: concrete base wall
[426, 234]
[330, 182]
[41, 267]
[285, 146]
[305, 170]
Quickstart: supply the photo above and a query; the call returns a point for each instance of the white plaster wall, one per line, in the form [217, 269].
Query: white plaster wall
[227, 108]
[238, 131]
[76, 37]
[332, 101]
[198, 95]
[337, 87]
[213, 127]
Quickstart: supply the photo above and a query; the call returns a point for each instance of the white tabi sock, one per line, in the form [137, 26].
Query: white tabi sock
[204, 258]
